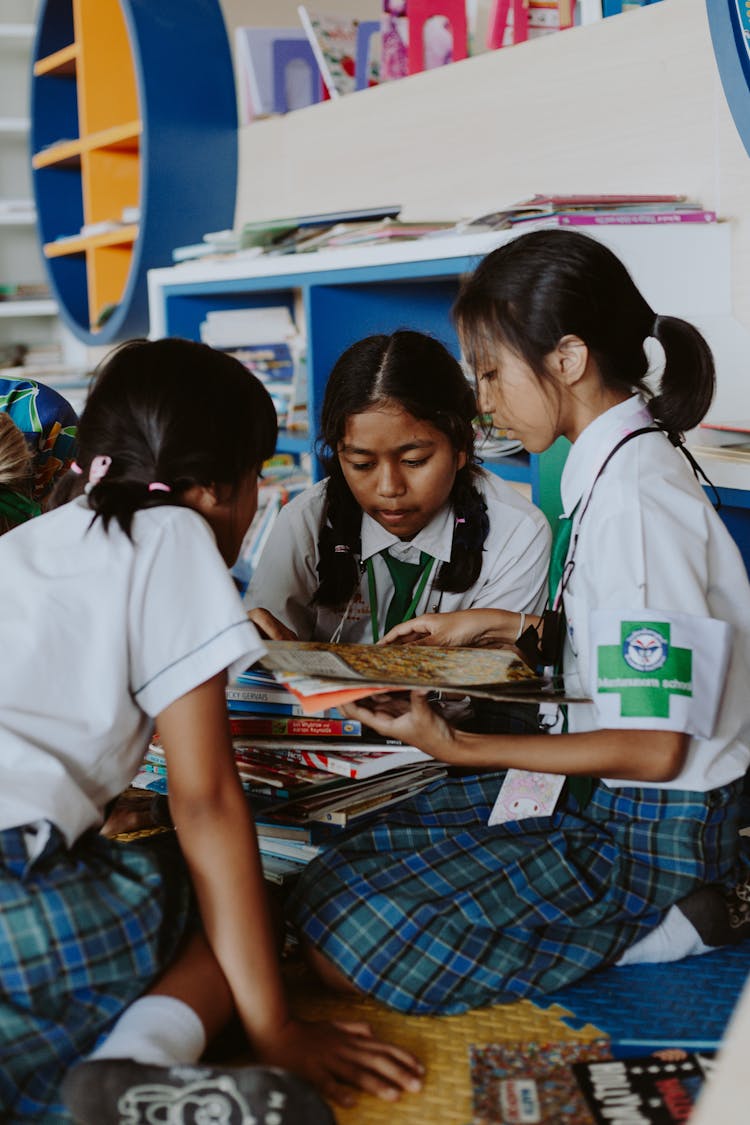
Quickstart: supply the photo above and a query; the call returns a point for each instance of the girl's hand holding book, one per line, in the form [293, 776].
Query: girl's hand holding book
[467, 628]
[340, 1057]
[411, 720]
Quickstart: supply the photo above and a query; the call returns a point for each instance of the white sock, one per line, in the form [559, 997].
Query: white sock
[674, 938]
[155, 1029]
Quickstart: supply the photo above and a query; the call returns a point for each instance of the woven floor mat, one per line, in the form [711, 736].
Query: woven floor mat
[441, 1042]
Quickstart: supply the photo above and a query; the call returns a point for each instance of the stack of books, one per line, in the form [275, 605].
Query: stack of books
[306, 778]
[592, 210]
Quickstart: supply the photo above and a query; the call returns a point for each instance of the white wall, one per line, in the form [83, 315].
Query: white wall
[632, 103]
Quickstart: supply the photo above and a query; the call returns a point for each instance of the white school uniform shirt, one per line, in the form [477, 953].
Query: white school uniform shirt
[650, 542]
[99, 635]
[513, 576]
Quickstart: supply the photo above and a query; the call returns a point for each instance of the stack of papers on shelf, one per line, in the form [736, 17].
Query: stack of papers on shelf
[729, 441]
[592, 210]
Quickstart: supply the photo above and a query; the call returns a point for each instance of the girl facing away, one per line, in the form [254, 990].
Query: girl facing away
[405, 521]
[119, 609]
[435, 910]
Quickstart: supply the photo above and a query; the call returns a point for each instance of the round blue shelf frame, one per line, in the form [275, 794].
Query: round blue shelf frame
[188, 148]
[729, 21]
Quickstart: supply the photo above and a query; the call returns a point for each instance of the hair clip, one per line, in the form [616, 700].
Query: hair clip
[98, 470]
[342, 549]
[157, 486]
[460, 519]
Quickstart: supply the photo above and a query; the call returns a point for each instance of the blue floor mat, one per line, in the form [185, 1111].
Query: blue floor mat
[641, 1007]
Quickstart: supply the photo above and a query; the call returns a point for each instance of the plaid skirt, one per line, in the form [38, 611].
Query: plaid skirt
[431, 911]
[83, 932]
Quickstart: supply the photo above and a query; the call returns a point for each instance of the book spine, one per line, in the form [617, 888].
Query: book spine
[245, 694]
[631, 218]
[294, 727]
[238, 707]
[322, 762]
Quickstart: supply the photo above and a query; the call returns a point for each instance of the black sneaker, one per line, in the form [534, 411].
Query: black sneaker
[721, 917]
[124, 1092]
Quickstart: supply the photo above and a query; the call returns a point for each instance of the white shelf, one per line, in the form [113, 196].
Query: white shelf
[17, 218]
[16, 33]
[15, 125]
[28, 308]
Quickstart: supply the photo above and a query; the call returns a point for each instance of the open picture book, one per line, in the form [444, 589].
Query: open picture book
[325, 675]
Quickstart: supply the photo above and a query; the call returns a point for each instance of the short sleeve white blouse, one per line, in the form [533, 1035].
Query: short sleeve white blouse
[513, 574]
[103, 633]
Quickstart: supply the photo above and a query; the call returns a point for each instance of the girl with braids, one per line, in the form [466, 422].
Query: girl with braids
[123, 595]
[437, 908]
[406, 521]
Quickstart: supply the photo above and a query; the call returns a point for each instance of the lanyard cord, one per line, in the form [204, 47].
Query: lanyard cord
[656, 429]
[374, 596]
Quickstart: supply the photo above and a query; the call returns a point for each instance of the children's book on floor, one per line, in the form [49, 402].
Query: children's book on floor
[584, 1083]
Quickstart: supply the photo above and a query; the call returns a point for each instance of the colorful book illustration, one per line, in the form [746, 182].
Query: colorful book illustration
[334, 43]
[394, 45]
[322, 675]
[583, 1083]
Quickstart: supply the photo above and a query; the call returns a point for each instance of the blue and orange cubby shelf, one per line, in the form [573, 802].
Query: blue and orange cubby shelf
[133, 109]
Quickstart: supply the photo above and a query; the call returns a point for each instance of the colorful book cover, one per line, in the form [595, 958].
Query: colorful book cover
[629, 218]
[334, 43]
[394, 45]
[347, 763]
[659, 1089]
[531, 1083]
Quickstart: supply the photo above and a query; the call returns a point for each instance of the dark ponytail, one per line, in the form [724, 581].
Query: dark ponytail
[171, 413]
[419, 373]
[688, 380]
[547, 284]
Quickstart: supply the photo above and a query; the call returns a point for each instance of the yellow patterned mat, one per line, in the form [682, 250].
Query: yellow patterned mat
[441, 1042]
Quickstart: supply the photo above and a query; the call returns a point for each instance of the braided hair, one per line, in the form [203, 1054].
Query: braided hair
[418, 373]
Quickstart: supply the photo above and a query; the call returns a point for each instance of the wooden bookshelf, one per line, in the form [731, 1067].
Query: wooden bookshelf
[133, 108]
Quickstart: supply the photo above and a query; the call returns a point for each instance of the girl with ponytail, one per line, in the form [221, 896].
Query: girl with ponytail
[447, 904]
[406, 521]
[121, 961]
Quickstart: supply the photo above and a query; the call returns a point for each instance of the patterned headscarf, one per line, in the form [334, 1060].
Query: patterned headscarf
[48, 422]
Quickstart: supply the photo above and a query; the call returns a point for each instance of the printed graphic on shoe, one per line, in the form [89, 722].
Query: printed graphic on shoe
[215, 1101]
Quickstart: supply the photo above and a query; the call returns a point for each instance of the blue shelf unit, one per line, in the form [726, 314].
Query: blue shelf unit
[341, 306]
[133, 103]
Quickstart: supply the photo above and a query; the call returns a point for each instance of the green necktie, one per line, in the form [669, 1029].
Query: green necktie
[404, 576]
[580, 787]
[560, 545]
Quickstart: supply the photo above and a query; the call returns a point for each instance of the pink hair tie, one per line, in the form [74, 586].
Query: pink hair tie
[99, 468]
[157, 486]
[76, 468]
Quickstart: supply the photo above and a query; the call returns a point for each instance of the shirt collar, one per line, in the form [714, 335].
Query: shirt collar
[436, 539]
[592, 447]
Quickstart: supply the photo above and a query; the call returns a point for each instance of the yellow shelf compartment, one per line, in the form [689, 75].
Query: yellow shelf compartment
[107, 89]
[108, 271]
[123, 138]
[62, 62]
[123, 236]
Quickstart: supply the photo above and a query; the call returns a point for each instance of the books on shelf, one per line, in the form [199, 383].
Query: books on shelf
[257, 76]
[728, 441]
[333, 39]
[592, 210]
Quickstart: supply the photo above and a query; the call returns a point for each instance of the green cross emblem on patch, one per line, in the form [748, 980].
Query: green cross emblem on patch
[645, 669]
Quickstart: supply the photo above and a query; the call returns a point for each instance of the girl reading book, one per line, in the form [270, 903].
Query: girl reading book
[118, 609]
[405, 521]
[438, 908]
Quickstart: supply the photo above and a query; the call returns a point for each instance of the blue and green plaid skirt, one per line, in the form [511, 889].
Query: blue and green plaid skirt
[429, 910]
[83, 932]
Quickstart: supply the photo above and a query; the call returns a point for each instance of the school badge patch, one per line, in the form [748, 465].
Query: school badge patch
[661, 670]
